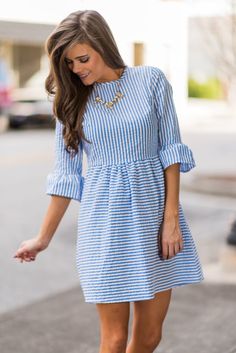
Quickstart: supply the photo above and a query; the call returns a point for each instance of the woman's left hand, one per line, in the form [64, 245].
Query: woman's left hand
[171, 240]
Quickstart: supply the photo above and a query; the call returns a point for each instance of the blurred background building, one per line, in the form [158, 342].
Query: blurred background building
[22, 49]
[157, 36]
[191, 41]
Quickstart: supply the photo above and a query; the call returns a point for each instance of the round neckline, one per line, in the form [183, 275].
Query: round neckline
[113, 81]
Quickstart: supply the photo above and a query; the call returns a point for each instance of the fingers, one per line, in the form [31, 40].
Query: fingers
[169, 250]
[21, 250]
[165, 250]
[24, 256]
[26, 259]
[27, 250]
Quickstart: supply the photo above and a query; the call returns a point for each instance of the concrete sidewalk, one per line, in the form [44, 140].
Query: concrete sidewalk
[213, 142]
[201, 318]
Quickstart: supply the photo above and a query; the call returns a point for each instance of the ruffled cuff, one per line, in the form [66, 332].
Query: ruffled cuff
[177, 153]
[66, 185]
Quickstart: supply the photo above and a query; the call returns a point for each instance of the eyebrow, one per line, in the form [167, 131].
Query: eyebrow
[78, 57]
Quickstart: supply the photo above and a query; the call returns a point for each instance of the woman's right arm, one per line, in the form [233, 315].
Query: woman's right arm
[65, 183]
[29, 249]
[54, 214]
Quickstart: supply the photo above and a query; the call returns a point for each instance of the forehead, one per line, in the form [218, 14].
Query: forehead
[79, 50]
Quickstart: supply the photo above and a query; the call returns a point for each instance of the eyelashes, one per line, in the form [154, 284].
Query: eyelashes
[82, 61]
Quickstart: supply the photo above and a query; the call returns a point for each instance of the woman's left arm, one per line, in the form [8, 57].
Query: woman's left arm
[175, 157]
[171, 237]
[172, 181]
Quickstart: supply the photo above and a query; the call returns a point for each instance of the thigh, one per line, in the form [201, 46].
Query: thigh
[114, 318]
[148, 315]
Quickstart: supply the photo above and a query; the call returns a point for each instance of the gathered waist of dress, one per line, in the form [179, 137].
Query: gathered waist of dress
[100, 163]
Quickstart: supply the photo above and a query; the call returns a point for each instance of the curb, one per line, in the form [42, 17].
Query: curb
[218, 185]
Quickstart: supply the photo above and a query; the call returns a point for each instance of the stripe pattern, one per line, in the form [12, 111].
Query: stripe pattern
[122, 195]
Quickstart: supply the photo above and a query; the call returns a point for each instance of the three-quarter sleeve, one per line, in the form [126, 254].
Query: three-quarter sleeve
[66, 179]
[170, 147]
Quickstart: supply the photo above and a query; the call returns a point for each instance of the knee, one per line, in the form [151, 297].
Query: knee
[152, 340]
[116, 343]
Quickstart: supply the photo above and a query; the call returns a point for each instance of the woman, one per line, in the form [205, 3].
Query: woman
[133, 243]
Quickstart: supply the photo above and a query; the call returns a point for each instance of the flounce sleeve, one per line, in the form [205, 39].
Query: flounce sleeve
[170, 146]
[66, 179]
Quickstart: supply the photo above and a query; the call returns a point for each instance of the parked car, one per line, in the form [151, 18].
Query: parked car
[30, 108]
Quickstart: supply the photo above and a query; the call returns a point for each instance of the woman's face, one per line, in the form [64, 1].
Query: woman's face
[88, 64]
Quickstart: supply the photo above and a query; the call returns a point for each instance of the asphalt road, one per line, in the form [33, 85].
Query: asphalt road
[26, 159]
[41, 303]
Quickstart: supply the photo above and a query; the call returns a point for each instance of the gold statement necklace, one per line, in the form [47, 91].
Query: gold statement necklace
[118, 96]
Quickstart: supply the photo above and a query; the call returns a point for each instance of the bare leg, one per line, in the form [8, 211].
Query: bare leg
[114, 325]
[147, 323]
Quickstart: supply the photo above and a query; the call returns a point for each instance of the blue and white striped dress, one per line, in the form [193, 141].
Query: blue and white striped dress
[122, 195]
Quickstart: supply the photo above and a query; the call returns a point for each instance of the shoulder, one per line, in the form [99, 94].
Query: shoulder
[149, 75]
[151, 79]
[142, 71]
[146, 71]
[158, 78]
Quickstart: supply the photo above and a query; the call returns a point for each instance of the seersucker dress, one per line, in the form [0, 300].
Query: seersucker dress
[122, 195]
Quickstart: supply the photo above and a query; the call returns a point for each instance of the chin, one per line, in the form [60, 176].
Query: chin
[88, 83]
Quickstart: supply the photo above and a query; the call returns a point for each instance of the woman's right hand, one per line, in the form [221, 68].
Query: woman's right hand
[29, 249]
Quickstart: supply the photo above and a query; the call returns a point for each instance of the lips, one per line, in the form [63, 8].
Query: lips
[83, 76]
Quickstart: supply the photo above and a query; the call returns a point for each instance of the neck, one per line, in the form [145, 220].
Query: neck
[113, 74]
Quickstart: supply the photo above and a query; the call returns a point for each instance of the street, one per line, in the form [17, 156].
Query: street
[26, 159]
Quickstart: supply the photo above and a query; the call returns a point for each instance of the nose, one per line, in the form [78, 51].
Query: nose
[75, 67]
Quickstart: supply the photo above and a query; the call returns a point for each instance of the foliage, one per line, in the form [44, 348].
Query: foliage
[210, 89]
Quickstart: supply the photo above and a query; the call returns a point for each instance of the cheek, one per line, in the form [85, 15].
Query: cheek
[91, 66]
[95, 65]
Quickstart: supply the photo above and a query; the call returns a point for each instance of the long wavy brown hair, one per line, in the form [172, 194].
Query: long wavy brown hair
[69, 94]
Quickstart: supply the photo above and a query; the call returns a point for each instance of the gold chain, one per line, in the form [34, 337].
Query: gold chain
[110, 104]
